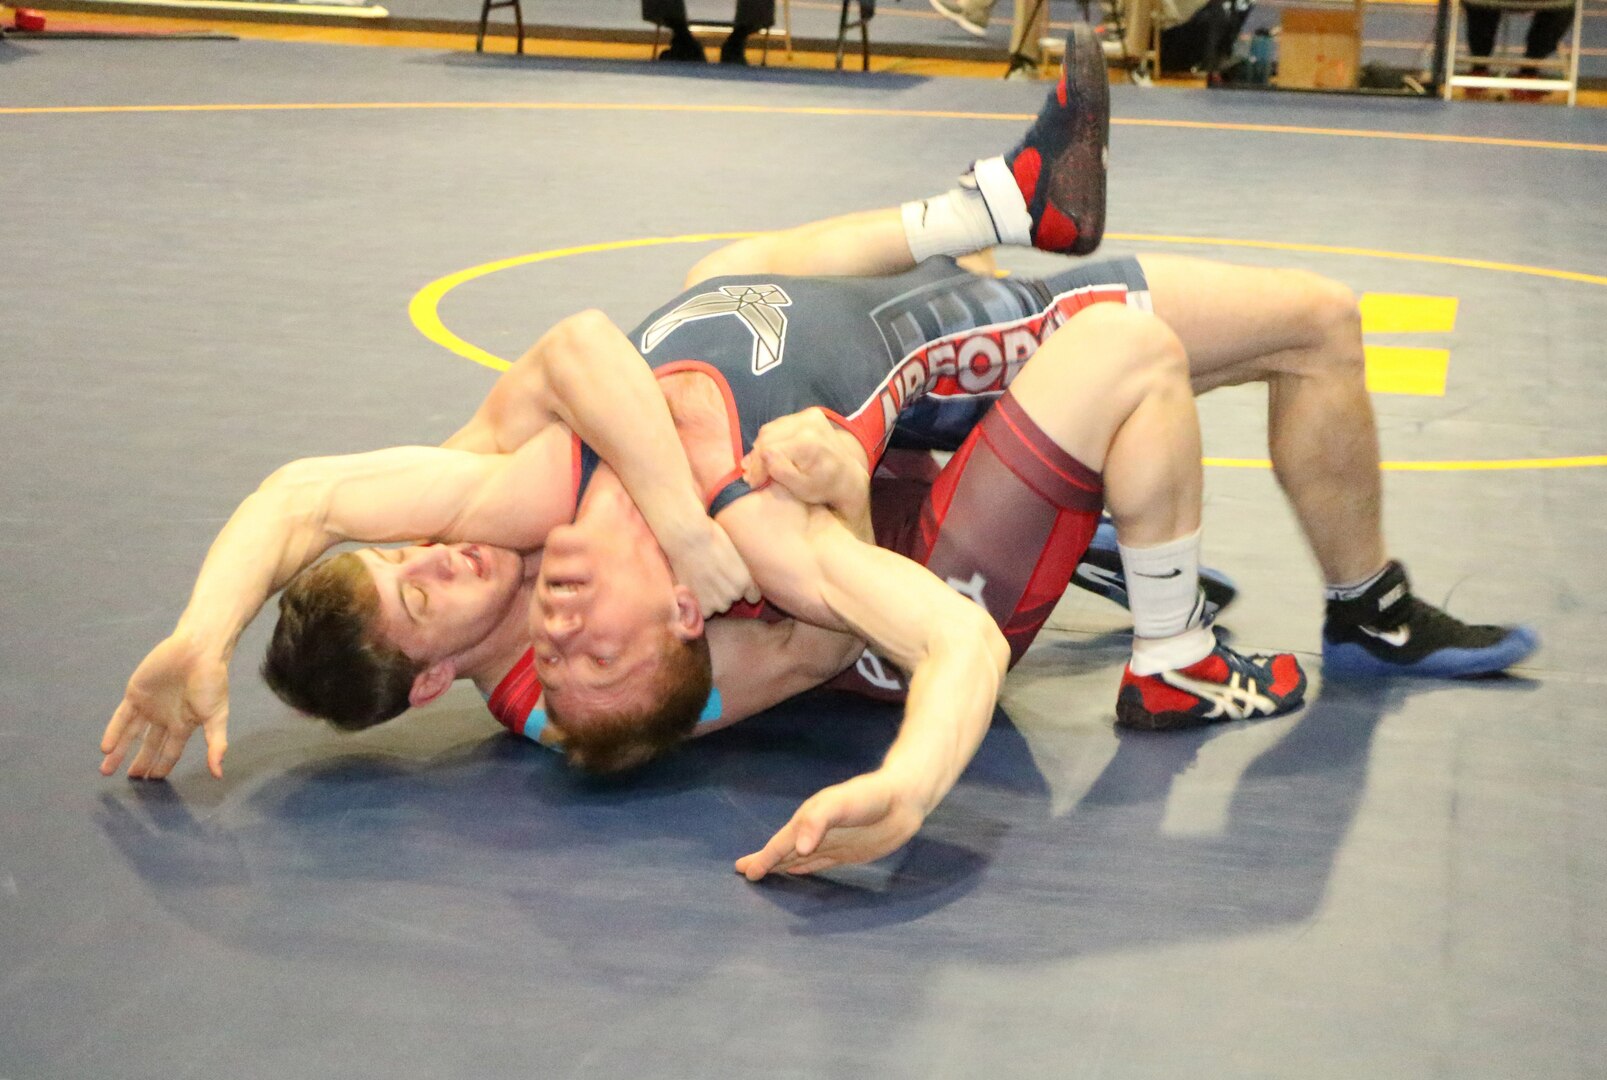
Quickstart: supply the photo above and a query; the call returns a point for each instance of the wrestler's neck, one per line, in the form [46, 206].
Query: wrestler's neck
[607, 511]
[488, 663]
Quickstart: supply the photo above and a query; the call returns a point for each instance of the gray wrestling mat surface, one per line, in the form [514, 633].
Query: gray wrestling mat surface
[1400, 881]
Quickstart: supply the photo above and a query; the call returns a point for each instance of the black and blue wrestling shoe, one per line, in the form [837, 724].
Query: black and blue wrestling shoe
[1387, 631]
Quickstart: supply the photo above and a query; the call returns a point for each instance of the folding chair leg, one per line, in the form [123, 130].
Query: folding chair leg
[485, 17]
[843, 26]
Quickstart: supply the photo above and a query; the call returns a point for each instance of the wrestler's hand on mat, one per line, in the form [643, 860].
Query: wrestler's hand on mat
[178, 687]
[856, 821]
[812, 458]
[705, 561]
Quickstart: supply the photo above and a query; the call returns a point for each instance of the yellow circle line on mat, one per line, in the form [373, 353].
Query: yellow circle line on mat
[424, 310]
[804, 110]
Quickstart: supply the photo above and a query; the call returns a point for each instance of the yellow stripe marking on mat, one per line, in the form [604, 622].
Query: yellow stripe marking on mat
[1393, 369]
[1399, 313]
[1399, 369]
[424, 308]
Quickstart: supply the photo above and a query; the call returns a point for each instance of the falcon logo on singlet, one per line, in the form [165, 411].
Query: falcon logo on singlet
[757, 306]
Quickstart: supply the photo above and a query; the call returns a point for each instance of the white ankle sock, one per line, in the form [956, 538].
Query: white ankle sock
[1163, 594]
[1154, 655]
[969, 218]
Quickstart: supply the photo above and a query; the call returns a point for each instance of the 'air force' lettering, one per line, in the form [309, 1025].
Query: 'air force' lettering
[758, 306]
[975, 362]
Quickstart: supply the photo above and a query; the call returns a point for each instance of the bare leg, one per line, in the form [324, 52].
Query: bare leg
[1111, 389]
[1129, 416]
[865, 244]
[1301, 335]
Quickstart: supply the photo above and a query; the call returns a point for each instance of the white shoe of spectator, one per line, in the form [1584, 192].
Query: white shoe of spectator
[957, 12]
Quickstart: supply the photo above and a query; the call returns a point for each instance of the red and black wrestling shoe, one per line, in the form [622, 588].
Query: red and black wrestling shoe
[1060, 165]
[1223, 686]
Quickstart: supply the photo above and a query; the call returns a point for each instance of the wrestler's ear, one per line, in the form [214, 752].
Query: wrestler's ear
[432, 682]
[687, 620]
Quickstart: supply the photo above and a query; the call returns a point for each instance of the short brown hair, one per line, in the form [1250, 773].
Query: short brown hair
[631, 737]
[327, 659]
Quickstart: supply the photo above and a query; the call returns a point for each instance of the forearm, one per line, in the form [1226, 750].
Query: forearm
[403, 493]
[952, 694]
[605, 392]
[953, 651]
[264, 544]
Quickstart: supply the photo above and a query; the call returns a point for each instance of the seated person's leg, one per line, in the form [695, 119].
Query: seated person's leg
[1030, 24]
[1546, 31]
[672, 15]
[1483, 23]
[751, 17]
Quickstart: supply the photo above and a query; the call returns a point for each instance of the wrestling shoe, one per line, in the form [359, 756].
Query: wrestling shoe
[1223, 686]
[1100, 572]
[1388, 631]
[1060, 165]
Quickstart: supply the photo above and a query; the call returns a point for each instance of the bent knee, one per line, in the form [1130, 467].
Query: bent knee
[1136, 341]
[1331, 316]
[573, 332]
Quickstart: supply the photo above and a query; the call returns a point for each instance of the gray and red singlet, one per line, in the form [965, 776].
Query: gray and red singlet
[911, 360]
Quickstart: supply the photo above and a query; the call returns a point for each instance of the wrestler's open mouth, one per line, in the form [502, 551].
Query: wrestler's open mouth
[476, 560]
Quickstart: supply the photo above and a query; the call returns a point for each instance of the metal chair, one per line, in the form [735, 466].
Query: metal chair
[867, 8]
[1501, 60]
[485, 14]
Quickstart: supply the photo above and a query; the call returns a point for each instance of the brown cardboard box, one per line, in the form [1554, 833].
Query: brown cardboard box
[1319, 48]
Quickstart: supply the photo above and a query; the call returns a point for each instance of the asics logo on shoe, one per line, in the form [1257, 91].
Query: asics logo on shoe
[1397, 637]
[1237, 699]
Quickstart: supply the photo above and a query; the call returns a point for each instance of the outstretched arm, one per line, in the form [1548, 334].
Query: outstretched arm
[296, 515]
[808, 563]
[585, 373]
